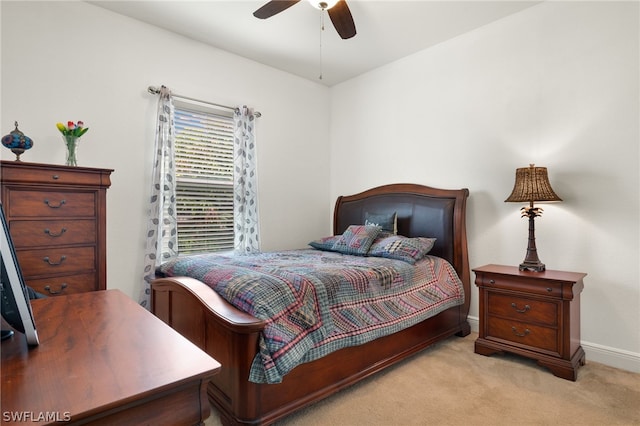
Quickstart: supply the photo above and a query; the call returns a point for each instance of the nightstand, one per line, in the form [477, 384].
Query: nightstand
[533, 314]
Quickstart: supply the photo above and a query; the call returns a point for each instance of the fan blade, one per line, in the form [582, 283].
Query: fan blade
[273, 7]
[343, 21]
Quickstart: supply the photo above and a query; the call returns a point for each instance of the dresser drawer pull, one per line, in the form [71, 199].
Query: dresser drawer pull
[62, 287]
[55, 177]
[62, 259]
[60, 204]
[51, 234]
[521, 311]
[549, 289]
[492, 281]
[515, 331]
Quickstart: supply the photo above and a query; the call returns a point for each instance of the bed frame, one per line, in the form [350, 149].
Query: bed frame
[231, 336]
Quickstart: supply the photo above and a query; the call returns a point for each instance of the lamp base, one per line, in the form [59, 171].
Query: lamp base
[532, 266]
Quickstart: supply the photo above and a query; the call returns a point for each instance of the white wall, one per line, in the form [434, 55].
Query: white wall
[555, 85]
[74, 61]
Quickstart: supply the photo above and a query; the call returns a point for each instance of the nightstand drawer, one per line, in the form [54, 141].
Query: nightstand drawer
[523, 309]
[51, 204]
[522, 284]
[533, 336]
[38, 233]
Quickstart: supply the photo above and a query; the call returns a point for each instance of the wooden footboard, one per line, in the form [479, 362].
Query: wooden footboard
[231, 337]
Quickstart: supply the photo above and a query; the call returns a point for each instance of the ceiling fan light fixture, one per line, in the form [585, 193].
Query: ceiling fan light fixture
[337, 10]
[323, 4]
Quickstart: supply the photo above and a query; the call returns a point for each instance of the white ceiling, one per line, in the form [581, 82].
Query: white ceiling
[292, 40]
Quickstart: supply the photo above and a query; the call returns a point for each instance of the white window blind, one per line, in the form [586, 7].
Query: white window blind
[204, 179]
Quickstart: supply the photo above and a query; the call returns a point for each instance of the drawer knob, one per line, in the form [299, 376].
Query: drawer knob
[492, 281]
[55, 177]
[515, 331]
[62, 259]
[549, 289]
[60, 204]
[62, 287]
[51, 234]
[522, 311]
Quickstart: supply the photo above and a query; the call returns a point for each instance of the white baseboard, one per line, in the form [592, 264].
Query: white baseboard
[613, 357]
[474, 322]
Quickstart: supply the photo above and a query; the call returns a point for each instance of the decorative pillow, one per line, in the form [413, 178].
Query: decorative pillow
[402, 248]
[387, 221]
[325, 243]
[356, 239]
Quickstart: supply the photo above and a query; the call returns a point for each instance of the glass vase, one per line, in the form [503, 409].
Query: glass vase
[72, 149]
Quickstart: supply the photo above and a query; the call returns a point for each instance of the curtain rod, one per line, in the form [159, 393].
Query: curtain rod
[154, 91]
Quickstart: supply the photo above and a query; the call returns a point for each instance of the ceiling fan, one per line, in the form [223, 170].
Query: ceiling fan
[338, 12]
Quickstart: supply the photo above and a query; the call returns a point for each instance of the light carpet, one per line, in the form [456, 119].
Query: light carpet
[448, 384]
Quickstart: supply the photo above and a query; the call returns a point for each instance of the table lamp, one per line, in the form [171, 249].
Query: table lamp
[532, 184]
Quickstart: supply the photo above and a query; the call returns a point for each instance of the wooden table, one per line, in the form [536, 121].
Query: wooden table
[103, 359]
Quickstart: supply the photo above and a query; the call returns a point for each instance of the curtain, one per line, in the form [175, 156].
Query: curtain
[245, 203]
[162, 230]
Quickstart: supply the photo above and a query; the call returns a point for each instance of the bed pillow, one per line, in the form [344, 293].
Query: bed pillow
[402, 248]
[387, 221]
[325, 243]
[357, 239]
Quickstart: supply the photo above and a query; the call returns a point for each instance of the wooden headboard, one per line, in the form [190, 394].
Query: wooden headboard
[422, 211]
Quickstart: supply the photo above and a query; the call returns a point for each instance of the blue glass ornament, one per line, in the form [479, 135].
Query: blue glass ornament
[17, 142]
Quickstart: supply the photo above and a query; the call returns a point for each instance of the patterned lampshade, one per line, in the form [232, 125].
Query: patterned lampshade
[532, 184]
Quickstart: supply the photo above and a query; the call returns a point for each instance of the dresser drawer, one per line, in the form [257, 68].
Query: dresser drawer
[523, 309]
[39, 233]
[533, 336]
[43, 204]
[52, 175]
[56, 260]
[60, 286]
[522, 284]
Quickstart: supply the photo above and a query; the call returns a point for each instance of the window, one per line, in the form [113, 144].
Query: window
[204, 179]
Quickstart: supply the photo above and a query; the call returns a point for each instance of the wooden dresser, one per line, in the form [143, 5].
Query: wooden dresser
[57, 220]
[534, 314]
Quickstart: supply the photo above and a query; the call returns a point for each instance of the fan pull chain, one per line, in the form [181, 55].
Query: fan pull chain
[321, 32]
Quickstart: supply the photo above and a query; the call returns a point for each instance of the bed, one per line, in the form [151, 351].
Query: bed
[233, 337]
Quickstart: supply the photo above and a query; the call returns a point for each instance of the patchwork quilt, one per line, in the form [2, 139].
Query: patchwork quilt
[315, 302]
